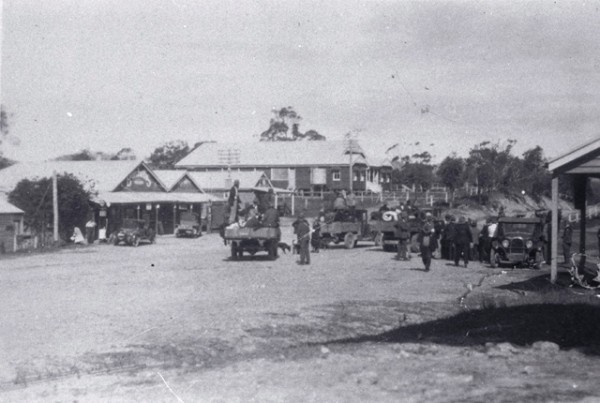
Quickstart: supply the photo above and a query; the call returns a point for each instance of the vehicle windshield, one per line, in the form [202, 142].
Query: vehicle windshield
[189, 217]
[132, 224]
[517, 228]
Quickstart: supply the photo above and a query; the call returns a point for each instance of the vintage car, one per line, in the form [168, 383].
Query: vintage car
[189, 226]
[133, 231]
[384, 225]
[347, 226]
[252, 240]
[517, 242]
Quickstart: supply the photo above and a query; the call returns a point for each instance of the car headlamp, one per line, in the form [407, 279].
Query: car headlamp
[529, 244]
[505, 243]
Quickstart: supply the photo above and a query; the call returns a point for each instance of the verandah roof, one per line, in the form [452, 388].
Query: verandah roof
[107, 198]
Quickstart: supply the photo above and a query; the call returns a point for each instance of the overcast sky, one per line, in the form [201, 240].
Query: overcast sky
[106, 74]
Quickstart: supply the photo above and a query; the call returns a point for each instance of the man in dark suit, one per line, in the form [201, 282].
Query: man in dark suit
[462, 241]
[234, 201]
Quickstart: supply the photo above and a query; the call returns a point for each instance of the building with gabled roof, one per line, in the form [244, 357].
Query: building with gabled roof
[306, 166]
[97, 176]
[120, 190]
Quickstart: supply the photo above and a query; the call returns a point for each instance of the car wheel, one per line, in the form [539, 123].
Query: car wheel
[378, 239]
[349, 240]
[136, 241]
[234, 251]
[493, 261]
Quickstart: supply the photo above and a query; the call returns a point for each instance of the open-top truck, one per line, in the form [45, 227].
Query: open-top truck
[252, 240]
[383, 224]
[349, 226]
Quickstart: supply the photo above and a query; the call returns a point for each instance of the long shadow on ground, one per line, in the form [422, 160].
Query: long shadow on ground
[569, 326]
[569, 318]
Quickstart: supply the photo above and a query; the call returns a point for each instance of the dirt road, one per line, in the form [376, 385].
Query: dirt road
[178, 321]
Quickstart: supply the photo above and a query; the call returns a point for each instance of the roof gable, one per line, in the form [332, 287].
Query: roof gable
[186, 184]
[141, 179]
[169, 177]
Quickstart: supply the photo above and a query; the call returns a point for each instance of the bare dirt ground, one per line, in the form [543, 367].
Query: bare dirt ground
[177, 321]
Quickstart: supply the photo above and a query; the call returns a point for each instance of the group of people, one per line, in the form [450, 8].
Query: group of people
[450, 239]
[261, 213]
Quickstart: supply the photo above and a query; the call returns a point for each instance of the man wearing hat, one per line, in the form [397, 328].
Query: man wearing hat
[403, 235]
[462, 241]
[427, 244]
[234, 201]
[302, 231]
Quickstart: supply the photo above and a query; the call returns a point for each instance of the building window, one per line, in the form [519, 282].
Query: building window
[336, 175]
[359, 176]
[279, 174]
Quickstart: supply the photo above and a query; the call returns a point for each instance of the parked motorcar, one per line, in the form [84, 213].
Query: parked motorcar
[517, 242]
[133, 231]
[189, 226]
[347, 226]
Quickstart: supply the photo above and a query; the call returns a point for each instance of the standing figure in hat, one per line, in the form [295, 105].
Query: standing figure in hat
[427, 244]
[462, 241]
[234, 201]
[403, 235]
[302, 231]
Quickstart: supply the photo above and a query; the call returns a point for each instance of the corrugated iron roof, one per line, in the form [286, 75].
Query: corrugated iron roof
[272, 154]
[95, 175]
[170, 177]
[7, 208]
[221, 180]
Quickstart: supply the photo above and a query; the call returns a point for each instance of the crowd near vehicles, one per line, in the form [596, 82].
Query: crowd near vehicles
[517, 242]
[347, 226]
[383, 225]
[133, 231]
[252, 240]
[189, 226]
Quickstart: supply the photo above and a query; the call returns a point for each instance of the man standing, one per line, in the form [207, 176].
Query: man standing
[234, 201]
[90, 229]
[302, 231]
[316, 236]
[475, 240]
[403, 234]
[567, 240]
[426, 241]
[462, 241]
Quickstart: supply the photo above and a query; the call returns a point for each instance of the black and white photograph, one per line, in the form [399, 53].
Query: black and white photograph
[278, 201]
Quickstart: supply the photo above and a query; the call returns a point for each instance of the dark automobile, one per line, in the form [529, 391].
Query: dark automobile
[133, 232]
[189, 226]
[517, 242]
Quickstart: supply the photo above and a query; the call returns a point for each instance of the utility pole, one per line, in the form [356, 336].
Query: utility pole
[229, 156]
[350, 149]
[55, 205]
